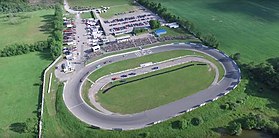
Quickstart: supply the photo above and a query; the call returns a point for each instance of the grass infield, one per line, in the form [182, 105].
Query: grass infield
[157, 88]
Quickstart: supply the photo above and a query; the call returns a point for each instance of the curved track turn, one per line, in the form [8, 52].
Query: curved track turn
[74, 102]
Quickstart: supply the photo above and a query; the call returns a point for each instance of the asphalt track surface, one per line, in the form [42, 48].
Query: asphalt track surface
[103, 81]
[77, 106]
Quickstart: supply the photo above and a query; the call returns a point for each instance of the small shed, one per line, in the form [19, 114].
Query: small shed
[160, 32]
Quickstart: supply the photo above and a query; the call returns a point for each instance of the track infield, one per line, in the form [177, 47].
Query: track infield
[156, 88]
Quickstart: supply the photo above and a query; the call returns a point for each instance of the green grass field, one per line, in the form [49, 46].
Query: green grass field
[20, 87]
[250, 27]
[118, 9]
[157, 90]
[86, 15]
[26, 27]
[97, 3]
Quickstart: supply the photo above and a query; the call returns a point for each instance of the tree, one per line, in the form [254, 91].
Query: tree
[236, 56]
[234, 128]
[197, 121]
[154, 24]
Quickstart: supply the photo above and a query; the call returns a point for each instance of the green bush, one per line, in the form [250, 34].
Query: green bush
[234, 128]
[197, 121]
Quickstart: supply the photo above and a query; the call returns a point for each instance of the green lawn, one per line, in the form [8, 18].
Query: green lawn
[154, 91]
[118, 9]
[250, 27]
[27, 27]
[97, 3]
[19, 89]
[86, 15]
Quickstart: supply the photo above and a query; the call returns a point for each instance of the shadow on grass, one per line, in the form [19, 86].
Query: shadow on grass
[18, 127]
[48, 25]
[146, 77]
[257, 89]
[221, 130]
[45, 55]
[261, 9]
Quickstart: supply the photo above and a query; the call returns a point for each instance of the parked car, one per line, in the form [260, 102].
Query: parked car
[154, 68]
[123, 76]
[132, 74]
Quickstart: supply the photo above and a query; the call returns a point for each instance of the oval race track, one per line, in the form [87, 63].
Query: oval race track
[74, 102]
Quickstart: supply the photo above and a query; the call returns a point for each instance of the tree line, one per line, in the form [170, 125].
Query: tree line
[207, 39]
[54, 42]
[14, 6]
[253, 121]
[266, 73]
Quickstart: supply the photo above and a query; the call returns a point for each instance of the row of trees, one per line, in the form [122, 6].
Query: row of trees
[252, 121]
[207, 39]
[14, 6]
[19, 49]
[56, 39]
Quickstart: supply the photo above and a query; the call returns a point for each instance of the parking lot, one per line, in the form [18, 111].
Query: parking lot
[125, 23]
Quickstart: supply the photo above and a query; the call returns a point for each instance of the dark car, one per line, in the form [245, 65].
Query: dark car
[154, 68]
[114, 78]
[123, 76]
[132, 73]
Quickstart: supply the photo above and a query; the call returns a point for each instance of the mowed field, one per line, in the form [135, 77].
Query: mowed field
[27, 27]
[21, 75]
[19, 89]
[156, 88]
[97, 3]
[250, 27]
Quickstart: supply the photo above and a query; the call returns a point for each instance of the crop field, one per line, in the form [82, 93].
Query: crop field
[20, 87]
[250, 27]
[27, 27]
[157, 88]
[97, 3]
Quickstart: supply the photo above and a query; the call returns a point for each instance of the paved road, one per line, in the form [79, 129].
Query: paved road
[74, 102]
[103, 81]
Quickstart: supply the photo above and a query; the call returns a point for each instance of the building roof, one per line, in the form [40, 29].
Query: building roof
[160, 31]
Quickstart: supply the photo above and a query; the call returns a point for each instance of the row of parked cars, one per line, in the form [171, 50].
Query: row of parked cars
[130, 74]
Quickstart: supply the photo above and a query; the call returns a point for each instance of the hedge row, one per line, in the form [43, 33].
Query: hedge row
[19, 49]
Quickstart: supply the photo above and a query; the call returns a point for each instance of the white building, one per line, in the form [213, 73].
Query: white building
[172, 25]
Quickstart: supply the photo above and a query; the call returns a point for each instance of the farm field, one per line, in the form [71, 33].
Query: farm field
[20, 87]
[27, 27]
[249, 27]
[158, 89]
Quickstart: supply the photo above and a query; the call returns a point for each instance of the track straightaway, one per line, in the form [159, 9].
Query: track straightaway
[72, 92]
